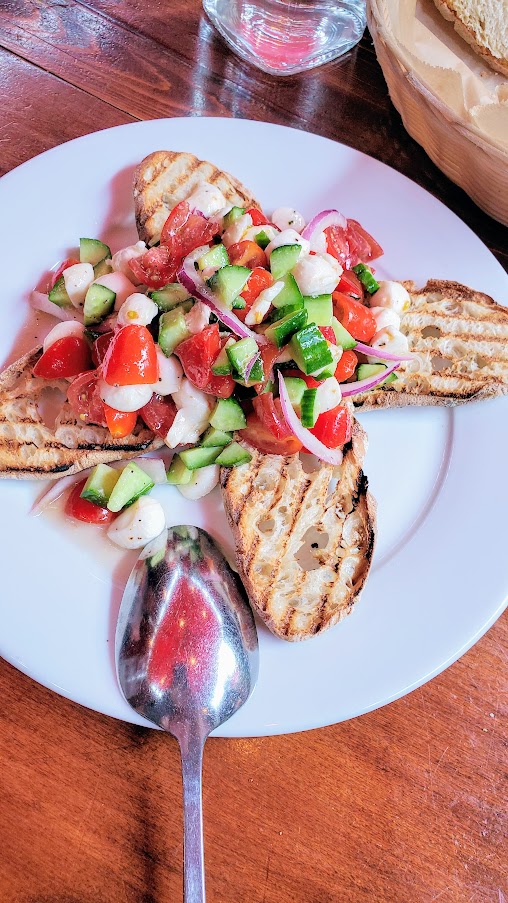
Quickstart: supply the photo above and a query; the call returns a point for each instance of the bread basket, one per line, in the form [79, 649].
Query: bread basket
[457, 112]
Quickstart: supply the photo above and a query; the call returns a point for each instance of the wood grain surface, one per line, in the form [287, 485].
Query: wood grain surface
[404, 805]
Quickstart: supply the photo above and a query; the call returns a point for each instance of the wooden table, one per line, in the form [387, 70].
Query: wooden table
[404, 805]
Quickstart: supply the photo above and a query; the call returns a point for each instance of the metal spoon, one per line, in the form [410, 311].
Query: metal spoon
[187, 658]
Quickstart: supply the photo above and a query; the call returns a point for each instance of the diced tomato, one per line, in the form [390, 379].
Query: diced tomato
[247, 254]
[131, 359]
[351, 285]
[66, 357]
[270, 413]
[269, 353]
[120, 423]
[189, 227]
[351, 245]
[257, 216]
[100, 346]
[63, 266]
[82, 509]
[197, 354]
[159, 414]
[263, 439]
[359, 238]
[354, 316]
[333, 428]
[328, 333]
[84, 398]
[156, 267]
[337, 245]
[310, 382]
[346, 366]
[258, 280]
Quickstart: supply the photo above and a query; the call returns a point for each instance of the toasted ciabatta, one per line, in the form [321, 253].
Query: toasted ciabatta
[166, 177]
[484, 25]
[281, 515]
[461, 340]
[29, 449]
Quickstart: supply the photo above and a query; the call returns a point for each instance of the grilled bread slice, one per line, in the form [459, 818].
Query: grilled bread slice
[166, 177]
[484, 25]
[461, 340]
[29, 449]
[303, 545]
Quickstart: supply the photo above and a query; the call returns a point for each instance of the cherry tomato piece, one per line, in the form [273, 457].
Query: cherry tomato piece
[333, 428]
[263, 439]
[354, 316]
[360, 239]
[159, 414]
[270, 414]
[309, 381]
[258, 280]
[100, 346]
[269, 353]
[84, 398]
[247, 254]
[63, 266]
[257, 216]
[328, 333]
[82, 509]
[120, 423]
[156, 267]
[189, 227]
[346, 366]
[197, 354]
[131, 359]
[66, 357]
[351, 285]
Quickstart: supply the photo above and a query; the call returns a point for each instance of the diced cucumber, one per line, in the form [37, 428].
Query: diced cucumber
[215, 257]
[178, 473]
[366, 277]
[227, 415]
[228, 282]
[239, 303]
[278, 313]
[58, 294]
[99, 302]
[279, 333]
[310, 349]
[262, 239]
[197, 457]
[240, 353]
[268, 386]
[170, 296]
[309, 408]
[289, 293]
[366, 371]
[296, 387]
[233, 455]
[91, 250]
[103, 268]
[329, 369]
[172, 330]
[232, 215]
[221, 366]
[343, 337]
[216, 438]
[100, 484]
[319, 309]
[256, 375]
[131, 484]
[283, 259]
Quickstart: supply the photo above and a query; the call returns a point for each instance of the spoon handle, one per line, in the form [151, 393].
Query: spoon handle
[194, 864]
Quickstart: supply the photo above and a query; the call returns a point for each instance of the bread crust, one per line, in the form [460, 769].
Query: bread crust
[446, 8]
[31, 450]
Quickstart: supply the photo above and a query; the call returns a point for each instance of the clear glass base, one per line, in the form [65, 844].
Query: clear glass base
[283, 37]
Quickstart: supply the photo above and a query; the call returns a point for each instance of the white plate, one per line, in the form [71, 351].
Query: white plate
[439, 578]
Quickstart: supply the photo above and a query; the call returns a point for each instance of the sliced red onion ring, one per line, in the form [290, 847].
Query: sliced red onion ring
[382, 355]
[56, 489]
[363, 385]
[191, 280]
[322, 221]
[314, 446]
[250, 364]
[40, 301]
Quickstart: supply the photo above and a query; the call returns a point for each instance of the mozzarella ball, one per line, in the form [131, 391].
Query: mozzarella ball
[252, 233]
[61, 331]
[138, 524]
[393, 295]
[329, 395]
[137, 310]
[170, 374]
[236, 230]
[385, 316]
[78, 279]
[198, 317]
[202, 482]
[119, 284]
[317, 274]
[388, 339]
[288, 218]
[208, 199]
[125, 398]
[288, 237]
[262, 304]
[120, 260]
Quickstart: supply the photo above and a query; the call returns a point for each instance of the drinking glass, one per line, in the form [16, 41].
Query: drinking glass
[283, 37]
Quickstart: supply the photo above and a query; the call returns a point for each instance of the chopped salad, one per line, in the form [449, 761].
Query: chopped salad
[234, 326]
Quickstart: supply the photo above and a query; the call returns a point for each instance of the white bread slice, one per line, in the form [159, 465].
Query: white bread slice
[276, 510]
[166, 177]
[29, 449]
[484, 25]
[461, 340]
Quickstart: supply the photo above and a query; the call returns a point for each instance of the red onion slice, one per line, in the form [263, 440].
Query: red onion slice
[322, 221]
[363, 385]
[382, 355]
[191, 280]
[40, 301]
[314, 446]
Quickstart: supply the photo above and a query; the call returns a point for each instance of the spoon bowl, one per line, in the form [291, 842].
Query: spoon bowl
[186, 654]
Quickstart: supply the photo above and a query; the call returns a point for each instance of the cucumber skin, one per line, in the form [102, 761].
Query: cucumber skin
[233, 455]
[228, 416]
